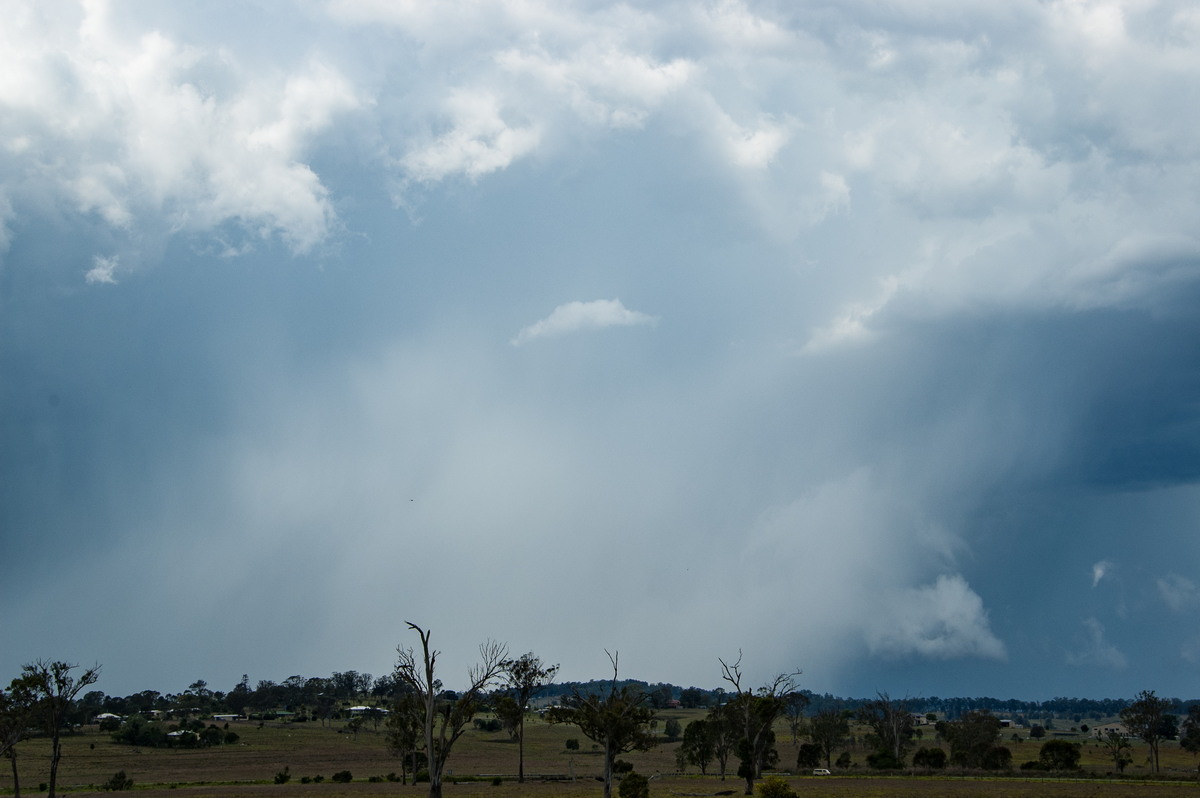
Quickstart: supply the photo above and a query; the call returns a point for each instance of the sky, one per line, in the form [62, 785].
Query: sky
[857, 337]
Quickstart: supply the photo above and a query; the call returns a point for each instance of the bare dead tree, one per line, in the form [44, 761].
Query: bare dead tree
[445, 718]
[757, 710]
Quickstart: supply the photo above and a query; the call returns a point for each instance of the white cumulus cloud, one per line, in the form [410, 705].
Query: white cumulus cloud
[944, 620]
[103, 270]
[576, 316]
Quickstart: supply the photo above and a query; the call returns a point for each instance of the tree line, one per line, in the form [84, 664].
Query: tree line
[424, 719]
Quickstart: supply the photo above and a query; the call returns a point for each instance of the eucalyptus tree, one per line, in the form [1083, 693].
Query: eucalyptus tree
[829, 729]
[891, 725]
[55, 688]
[406, 731]
[526, 676]
[1144, 718]
[618, 720]
[17, 704]
[444, 716]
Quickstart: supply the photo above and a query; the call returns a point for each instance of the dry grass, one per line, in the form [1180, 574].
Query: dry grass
[247, 768]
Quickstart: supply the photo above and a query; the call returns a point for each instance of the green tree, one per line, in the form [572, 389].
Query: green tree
[404, 732]
[508, 715]
[1059, 755]
[757, 711]
[723, 732]
[929, 758]
[618, 720]
[828, 729]
[697, 746]
[972, 738]
[443, 718]
[672, 729]
[634, 785]
[1144, 719]
[55, 688]
[794, 706]
[17, 705]
[527, 676]
[808, 755]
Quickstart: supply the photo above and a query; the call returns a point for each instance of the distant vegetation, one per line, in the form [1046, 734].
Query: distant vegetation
[734, 730]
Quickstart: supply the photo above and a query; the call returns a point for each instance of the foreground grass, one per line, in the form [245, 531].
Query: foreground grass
[308, 750]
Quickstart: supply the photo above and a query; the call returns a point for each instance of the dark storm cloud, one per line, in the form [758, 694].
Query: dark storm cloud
[905, 325]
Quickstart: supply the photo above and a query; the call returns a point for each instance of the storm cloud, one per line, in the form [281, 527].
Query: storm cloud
[307, 335]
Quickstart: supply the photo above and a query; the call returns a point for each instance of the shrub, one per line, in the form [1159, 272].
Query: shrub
[306, 780]
[375, 779]
[572, 743]
[634, 785]
[283, 776]
[775, 787]
[929, 758]
[1059, 755]
[884, 760]
[809, 756]
[622, 766]
[230, 737]
[119, 781]
[497, 781]
[998, 758]
[488, 724]
[342, 777]
[843, 761]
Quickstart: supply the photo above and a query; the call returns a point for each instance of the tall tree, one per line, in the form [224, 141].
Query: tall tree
[972, 738]
[55, 689]
[757, 710]
[527, 676]
[618, 721]
[892, 727]
[405, 731]
[17, 705]
[697, 746]
[444, 717]
[797, 702]
[828, 729]
[1144, 719]
[724, 730]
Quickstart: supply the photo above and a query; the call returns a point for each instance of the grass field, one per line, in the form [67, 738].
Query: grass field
[307, 749]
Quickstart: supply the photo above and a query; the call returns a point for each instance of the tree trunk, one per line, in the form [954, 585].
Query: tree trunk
[56, 754]
[12, 754]
[608, 771]
[521, 750]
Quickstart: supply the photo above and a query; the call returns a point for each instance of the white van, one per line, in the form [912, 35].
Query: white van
[821, 772]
